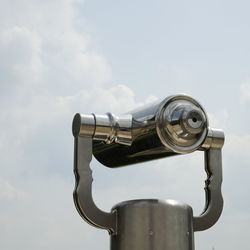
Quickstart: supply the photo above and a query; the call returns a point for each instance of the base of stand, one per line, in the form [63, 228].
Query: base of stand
[153, 225]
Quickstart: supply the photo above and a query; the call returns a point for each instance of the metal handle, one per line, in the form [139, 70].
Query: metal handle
[213, 167]
[83, 188]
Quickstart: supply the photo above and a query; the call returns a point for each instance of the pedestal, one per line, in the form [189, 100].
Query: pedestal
[153, 225]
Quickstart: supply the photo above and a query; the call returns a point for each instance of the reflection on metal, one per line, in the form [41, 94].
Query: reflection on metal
[153, 224]
[83, 188]
[176, 125]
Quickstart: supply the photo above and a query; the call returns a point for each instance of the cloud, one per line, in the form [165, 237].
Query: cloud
[238, 146]
[48, 72]
[9, 192]
[245, 91]
[219, 119]
[46, 218]
[21, 62]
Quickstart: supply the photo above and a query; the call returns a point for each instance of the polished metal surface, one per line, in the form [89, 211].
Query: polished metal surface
[153, 224]
[106, 128]
[176, 125]
[181, 124]
[84, 125]
[83, 188]
[213, 165]
[214, 199]
[215, 139]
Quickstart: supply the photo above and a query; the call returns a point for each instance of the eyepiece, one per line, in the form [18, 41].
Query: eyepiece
[181, 124]
[195, 120]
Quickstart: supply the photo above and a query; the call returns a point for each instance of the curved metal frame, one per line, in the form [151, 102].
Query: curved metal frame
[98, 218]
[83, 188]
[213, 167]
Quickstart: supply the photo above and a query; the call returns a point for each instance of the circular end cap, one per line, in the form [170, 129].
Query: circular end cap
[76, 124]
[181, 124]
[83, 125]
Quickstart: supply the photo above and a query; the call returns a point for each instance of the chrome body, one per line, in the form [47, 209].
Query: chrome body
[153, 224]
[104, 128]
[83, 188]
[176, 125]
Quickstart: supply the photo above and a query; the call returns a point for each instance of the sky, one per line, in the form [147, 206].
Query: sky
[61, 57]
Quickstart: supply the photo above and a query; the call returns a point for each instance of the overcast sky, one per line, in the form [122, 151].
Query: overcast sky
[66, 56]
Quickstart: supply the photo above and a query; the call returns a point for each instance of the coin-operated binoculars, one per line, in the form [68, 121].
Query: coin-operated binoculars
[177, 125]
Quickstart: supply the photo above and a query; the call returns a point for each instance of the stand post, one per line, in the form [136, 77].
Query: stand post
[153, 225]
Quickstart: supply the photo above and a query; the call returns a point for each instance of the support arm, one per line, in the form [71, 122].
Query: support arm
[83, 188]
[213, 167]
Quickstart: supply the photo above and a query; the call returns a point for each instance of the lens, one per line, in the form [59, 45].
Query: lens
[182, 124]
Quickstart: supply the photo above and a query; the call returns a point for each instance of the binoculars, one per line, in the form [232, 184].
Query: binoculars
[170, 127]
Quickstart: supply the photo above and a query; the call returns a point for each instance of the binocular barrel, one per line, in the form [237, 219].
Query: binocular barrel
[175, 125]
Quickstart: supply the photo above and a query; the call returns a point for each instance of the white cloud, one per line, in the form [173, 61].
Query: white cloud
[245, 91]
[151, 98]
[9, 192]
[20, 66]
[238, 146]
[219, 119]
[46, 219]
[48, 73]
